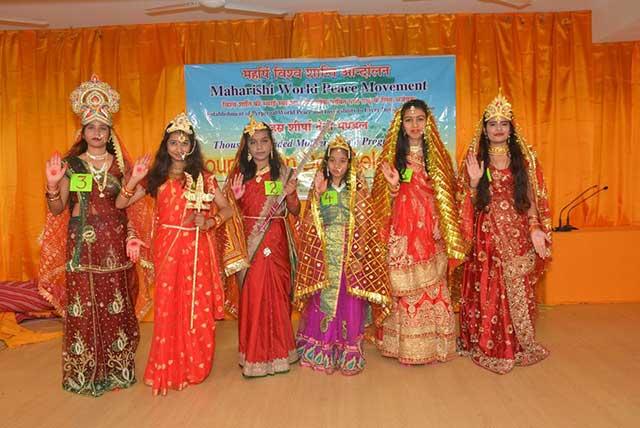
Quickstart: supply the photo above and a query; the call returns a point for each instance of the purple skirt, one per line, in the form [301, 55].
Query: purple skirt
[335, 344]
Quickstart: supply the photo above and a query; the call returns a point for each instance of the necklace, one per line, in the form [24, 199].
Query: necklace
[98, 157]
[415, 149]
[102, 181]
[262, 172]
[416, 157]
[502, 149]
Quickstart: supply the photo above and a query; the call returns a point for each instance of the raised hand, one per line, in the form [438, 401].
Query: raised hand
[320, 183]
[140, 168]
[540, 239]
[291, 186]
[237, 186]
[390, 174]
[55, 170]
[474, 169]
[133, 249]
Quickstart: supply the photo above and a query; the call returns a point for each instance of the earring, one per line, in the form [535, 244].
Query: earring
[271, 154]
[249, 157]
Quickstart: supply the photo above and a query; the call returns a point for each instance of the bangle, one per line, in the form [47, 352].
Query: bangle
[217, 221]
[54, 191]
[131, 233]
[52, 195]
[394, 188]
[126, 193]
[51, 198]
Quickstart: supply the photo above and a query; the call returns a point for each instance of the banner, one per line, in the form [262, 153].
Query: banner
[296, 97]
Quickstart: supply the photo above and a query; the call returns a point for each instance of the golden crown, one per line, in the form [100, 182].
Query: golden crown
[95, 100]
[180, 123]
[253, 126]
[338, 142]
[498, 109]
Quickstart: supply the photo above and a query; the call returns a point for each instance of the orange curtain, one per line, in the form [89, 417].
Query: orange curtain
[616, 148]
[560, 84]
[542, 61]
[39, 69]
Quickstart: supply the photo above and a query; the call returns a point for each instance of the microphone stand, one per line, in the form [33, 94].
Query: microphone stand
[568, 227]
[560, 227]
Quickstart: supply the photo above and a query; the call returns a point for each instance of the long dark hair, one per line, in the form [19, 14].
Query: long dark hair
[518, 169]
[325, 166]
[81, 146]
[402, 145]
[161, 164]
[248, 167]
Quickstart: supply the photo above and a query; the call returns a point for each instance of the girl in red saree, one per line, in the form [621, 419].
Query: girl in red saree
[84, 271]
[506, 214]
[414, 200]
[256, 179]
[183, 243]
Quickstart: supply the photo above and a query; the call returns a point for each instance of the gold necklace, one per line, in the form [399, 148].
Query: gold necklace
[98, 157]
[262, 172]
[500, 150]
[95, 173]
[415, 155]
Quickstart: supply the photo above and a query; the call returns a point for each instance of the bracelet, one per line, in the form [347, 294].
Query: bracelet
[51, 198]
[394, 188]
[131, 234]
[126, 193]
[217, 221]
[52, 192]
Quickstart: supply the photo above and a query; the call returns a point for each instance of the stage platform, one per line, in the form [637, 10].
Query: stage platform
[593, 266]
[589, 380]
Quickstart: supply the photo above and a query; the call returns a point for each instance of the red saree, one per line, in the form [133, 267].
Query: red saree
[179, 355]
[498, 305]
[266, 343]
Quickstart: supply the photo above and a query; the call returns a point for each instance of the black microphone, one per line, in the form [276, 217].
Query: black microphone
[569, 204]
[568, 227]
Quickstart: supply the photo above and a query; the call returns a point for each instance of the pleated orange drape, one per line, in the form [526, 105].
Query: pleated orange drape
[573, 99]
[616, 146]
[38, 71]
[542, 61]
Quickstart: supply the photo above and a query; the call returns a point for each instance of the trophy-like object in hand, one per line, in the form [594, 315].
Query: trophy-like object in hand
[198, 200]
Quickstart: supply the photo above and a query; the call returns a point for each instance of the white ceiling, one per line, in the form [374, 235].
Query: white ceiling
[613, 20]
